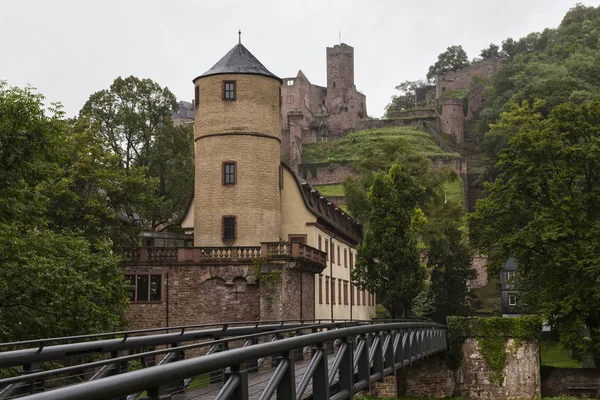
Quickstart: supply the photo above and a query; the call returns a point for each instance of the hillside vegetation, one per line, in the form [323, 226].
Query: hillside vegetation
[358, 145]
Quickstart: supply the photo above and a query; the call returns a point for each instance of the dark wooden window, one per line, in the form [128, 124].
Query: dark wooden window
[345, 258]
[332, 290]
[332, 252]
[319, 242]
[145, 287]
[229, 172]
[229, 228]
[229, 91]
[358, 296]
[351, 259]
[339, 291]
[320, 289]
[338, 256]
[352, 296]
[326, 290]
[299, 238]
[327, 249]
[197, 96]
[346, 293]
[364, 298]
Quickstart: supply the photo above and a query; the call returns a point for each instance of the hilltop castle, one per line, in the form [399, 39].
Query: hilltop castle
[310, 112]
[266, 244]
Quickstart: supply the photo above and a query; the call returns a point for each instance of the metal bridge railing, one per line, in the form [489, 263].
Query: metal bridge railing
[364, 354]
[92, 360]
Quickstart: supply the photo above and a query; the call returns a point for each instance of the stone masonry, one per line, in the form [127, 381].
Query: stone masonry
[432, 378]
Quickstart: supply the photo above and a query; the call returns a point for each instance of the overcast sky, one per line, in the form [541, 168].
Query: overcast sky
[69, 49]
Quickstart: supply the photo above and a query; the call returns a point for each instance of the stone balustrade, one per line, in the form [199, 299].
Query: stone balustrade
[290, 250]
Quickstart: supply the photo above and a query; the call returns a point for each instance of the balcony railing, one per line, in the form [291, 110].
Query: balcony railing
[232, 253]
[293, 250]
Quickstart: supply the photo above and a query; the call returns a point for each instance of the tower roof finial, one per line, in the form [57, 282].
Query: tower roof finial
[240, 36]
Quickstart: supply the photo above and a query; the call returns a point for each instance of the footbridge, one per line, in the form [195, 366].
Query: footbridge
[241, 361]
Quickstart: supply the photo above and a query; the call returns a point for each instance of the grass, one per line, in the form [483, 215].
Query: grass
[331, 190]
[555, 356]
[357, 145]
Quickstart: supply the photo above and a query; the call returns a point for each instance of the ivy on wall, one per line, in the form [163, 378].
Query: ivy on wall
[262, 276]
[492, 335]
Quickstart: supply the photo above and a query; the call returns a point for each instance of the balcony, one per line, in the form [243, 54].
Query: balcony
[300, 253]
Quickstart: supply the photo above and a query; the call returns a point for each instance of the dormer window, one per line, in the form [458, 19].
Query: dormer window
[229, 91]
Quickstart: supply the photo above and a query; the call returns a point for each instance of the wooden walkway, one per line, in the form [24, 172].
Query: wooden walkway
[257, 382]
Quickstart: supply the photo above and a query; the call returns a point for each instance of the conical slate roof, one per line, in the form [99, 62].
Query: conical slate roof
[239, 61]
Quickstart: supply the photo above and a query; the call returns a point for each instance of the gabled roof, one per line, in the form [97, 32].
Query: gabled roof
[327, 213]
[239, 61]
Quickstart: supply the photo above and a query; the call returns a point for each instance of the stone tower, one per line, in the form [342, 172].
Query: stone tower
[452, 118]
[340, 68]
[238, 135]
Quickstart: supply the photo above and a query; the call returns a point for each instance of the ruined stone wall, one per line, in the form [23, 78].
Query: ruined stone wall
[346, 110]
[465, 78]
[570, 381]
[456, 164]
[197, 295]
[414, 113]
[433, 378]
[413, 122]
[326, 174]
[475, 102]
[295, 95]
[522, 373]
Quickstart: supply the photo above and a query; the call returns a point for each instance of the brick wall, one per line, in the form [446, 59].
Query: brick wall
[429, 378]
[197, 295]
[563, 381]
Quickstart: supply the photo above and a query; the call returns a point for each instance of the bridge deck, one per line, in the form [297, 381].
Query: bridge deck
[257, 382]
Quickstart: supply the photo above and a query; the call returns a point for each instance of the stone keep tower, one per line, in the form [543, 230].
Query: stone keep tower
[238, 135]
[340, 68]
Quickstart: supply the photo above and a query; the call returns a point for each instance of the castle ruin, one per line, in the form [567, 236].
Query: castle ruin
[310, 113]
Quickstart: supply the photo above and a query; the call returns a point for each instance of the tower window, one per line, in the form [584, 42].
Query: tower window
[229, 168]
[229, 92]
[229, 227]
[197, 96]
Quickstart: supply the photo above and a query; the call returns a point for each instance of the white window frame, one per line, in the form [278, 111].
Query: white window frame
[514, 298]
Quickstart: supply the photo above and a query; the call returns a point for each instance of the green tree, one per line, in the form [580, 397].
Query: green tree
[449, 260]
[492, 51]
[452, 59]
[406, 99]
[441, 233]
[132, 120]
[388, 259]
[543, 208]
[57, 276]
